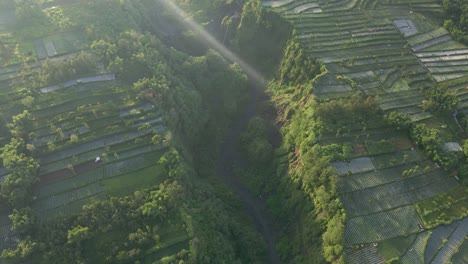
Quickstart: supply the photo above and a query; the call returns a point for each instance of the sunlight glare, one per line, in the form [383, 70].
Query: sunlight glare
[211, 41]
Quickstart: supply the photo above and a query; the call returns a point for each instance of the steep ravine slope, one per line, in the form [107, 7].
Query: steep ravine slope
[373, 133]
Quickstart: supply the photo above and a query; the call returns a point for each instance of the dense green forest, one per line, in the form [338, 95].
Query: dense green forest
[457, 20]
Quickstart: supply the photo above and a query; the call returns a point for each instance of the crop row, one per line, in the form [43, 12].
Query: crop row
[104, 171]
[395, 194]
[367, 255]
[371, 179]
[453, 243]
[62, 199]
[381, 226]
[415, 255]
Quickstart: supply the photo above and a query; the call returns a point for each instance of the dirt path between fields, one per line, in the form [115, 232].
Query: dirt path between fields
[228, 156]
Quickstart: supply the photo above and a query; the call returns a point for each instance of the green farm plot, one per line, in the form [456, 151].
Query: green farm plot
[88, 151]
[8, 237]
[449, 69]
[439, 236]
[420, 38]
[447, 65]
[450, 57]
[396, 159]
[71, 208]
[399, 86]
[384, 61]
[72, 105]
[333, 89]
[403, 191]
[442, 53]
[137, 179]
[453, 243]
[7, 20]
[415, 254]
[375, 132]
[59, 44]
[8, 76]
[380, 147]
[401, 102]
[440, 64]
[312, 7]
[381, 226]
[363, 255]
[444, 207]
[461, 257]
[277, 3]
[432, 42]
[43, 140]
[416, 117]
[61, 163]
[95, 84]
[410, 110]
[338, 5]
[106, 170]
[395, 247]
[65, 198]
[447, 45]
[354, 48]
[362, 181]
[449, 76]
[357, 165]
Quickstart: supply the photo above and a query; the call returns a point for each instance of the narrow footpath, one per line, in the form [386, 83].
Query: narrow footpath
[228, 156]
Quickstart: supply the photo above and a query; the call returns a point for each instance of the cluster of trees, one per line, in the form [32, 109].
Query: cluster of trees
[343, 115]
[255, 143]
[16, 189]
[296, 67]
[429, 139]
[60, 71]
[131, 55]
[16, 157]
[211, 12]
[457, 19]
[439, 100]
[431, 142]
[262, 36]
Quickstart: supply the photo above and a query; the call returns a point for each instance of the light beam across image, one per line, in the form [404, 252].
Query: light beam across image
[211, 41]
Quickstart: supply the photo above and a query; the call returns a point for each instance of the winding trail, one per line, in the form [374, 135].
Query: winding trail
[228, 156]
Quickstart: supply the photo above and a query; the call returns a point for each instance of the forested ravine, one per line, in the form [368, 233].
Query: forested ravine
[229, 156]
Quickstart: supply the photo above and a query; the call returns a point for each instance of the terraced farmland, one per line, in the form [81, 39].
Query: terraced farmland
[109, 132]
[105, 132]
[89, 133]
[391, 50]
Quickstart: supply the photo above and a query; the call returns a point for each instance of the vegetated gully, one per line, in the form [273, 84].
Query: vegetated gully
[229, 155]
